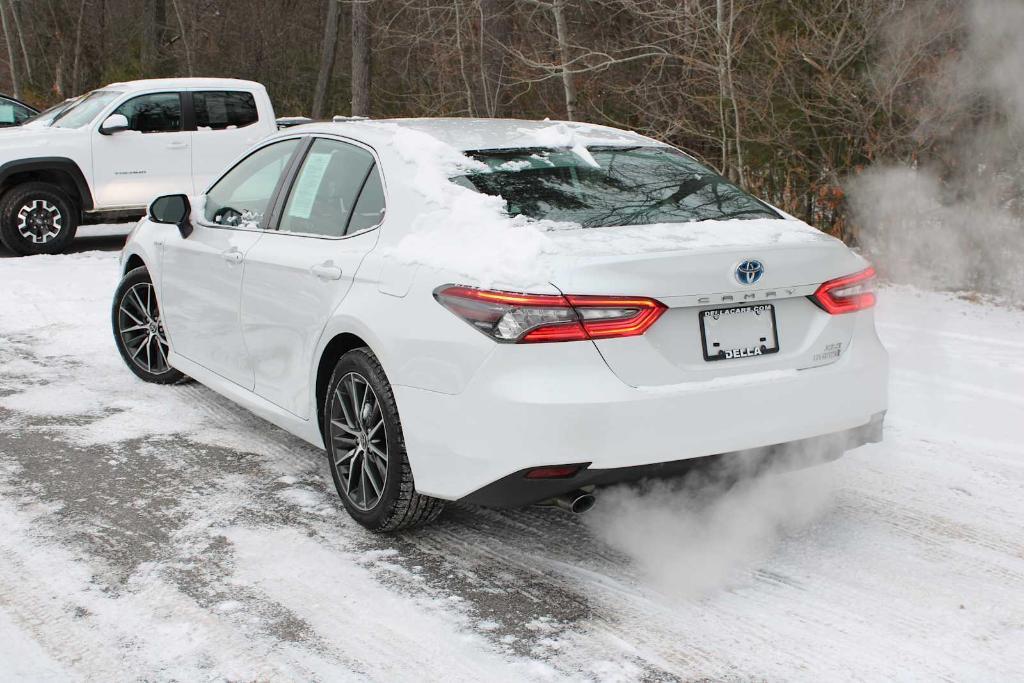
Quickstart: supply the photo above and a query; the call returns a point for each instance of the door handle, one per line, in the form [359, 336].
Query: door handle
[232, 255]
[176, 145]
[327, 271]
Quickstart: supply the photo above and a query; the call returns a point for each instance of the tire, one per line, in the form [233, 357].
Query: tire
[352, 432]
[38, 218]
[136, 314]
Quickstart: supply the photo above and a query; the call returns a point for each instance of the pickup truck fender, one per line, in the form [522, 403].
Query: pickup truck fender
[58, 170]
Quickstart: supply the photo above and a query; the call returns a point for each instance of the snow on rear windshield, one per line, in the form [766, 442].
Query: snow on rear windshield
[616, 186]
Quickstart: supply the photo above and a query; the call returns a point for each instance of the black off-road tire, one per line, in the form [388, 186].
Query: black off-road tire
[38, 209]
[124, 313]
[399, 506]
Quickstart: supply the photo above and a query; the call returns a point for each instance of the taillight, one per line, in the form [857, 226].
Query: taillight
[525, 318]
[847, 294]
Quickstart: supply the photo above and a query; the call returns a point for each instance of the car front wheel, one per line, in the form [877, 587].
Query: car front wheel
[366, 448]
[139, 329]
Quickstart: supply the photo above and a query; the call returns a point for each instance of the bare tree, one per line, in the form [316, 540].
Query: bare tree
[154, 17]
[361, 46]
[21, 41]
[328, 51]
[15, 85]
[495, 39]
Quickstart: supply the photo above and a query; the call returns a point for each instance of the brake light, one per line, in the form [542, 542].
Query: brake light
[527, 318]
[847, 294]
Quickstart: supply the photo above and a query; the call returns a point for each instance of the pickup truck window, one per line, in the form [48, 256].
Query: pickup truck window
[223, 110]
[241, 198]
[86, 109]
[156, 113]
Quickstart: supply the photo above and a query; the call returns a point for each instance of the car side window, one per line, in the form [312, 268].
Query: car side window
[156, 113]
[13, 113]
[224, 110]
[241, 198]
[326, 189]
[369, 209]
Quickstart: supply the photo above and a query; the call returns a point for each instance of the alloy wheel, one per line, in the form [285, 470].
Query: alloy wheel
[359, 438]
[141, 329]
[39, 220]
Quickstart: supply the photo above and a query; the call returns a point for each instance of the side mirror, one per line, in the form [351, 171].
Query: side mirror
[115, 123]
[172, 209]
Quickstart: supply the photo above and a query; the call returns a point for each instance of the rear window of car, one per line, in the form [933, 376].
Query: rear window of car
[609, 186]
[222, 110]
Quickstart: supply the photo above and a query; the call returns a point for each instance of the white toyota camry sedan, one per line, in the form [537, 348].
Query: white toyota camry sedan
[502, 312]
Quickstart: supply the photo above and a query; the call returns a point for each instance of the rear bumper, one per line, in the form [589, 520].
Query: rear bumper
[516, 490]
[551, 404]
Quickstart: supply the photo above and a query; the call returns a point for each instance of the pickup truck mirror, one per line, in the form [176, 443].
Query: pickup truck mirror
[172, 209]
[115, 123]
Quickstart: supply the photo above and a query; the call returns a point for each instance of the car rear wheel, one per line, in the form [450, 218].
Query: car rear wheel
[139, 330]
[366, 448]
[37, 218]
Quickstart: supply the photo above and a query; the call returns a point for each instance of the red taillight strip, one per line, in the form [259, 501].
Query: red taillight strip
[507, 298]
[648, 312]
[825, 296]
[644, 313]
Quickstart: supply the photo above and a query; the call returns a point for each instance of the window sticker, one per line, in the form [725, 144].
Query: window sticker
[309, 184]
[6, 113]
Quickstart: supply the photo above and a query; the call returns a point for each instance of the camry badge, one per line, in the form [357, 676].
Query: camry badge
[748, 272]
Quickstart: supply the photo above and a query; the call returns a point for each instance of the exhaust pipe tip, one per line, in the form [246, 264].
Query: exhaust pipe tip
[582, 503]
[576, 502]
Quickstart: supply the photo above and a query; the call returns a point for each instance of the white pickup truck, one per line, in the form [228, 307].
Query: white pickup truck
[107, 156]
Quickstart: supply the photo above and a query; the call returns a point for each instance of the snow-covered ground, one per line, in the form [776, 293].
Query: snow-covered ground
[163, 533]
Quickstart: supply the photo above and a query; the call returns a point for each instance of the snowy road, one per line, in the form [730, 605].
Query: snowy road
[162, 533]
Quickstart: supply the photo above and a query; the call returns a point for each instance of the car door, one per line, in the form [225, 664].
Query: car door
[226, 125]
[297, 275]
[201, 282]
[151, 158]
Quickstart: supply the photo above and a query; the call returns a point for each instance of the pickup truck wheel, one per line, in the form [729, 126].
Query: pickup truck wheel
[37, 218]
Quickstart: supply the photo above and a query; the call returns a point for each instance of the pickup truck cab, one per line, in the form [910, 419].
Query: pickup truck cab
[116, 148]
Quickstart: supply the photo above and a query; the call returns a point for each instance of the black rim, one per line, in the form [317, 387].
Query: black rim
[39, 221]
[359, 441]
[141, 330]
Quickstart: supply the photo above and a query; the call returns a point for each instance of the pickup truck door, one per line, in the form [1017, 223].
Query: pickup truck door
[201, 275]
[228, 122]
[151, 158]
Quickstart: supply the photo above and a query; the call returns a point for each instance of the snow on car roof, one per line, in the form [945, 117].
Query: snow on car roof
[177, 83]
[473, 133]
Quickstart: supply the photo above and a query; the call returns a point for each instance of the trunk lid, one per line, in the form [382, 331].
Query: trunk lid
[696, 271]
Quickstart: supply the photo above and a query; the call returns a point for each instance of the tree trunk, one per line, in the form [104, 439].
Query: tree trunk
[26, 62]
[495, 36]
[184, 37]
[471, 95]
[15, 85]
[78, 48]
[327, 57]
[154, 18]
[361, 46]
[568, 84]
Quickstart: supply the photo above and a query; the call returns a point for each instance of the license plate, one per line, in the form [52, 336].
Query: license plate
[738, 332]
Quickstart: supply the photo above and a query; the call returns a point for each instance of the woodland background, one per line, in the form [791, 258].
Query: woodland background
[792, 98]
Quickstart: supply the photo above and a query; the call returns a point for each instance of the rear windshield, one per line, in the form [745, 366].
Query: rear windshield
[606, 186]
